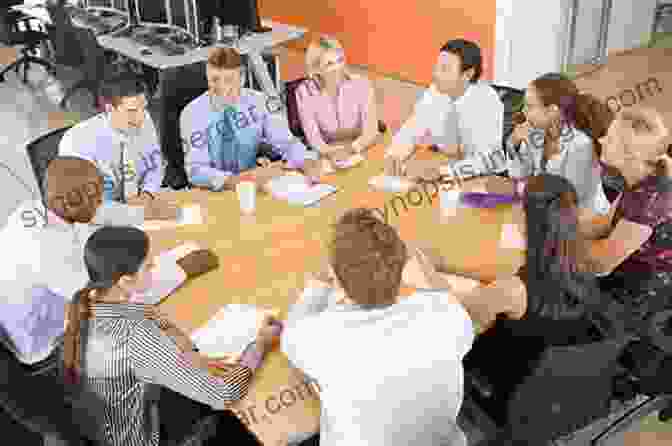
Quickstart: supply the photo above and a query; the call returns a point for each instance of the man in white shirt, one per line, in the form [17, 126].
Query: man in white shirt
[123, 144]
[389, 368]
[457, 115]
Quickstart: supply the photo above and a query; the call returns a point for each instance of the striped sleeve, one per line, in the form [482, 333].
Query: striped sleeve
[157, 360]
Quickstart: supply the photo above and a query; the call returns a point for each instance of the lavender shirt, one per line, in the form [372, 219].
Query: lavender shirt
[96, 141]
[322, 116]
[218, 144]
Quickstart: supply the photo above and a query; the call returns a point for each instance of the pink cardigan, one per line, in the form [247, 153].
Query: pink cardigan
[321, 116]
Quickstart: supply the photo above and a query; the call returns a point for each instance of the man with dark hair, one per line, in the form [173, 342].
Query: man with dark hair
[223, 130]
[122, 142]
[457, 115]
[385, 379]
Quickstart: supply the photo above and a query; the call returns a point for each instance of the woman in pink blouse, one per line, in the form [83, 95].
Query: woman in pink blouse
[337, 110]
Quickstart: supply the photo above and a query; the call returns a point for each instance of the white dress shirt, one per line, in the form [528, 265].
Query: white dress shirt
[474, 120]
[383, 379]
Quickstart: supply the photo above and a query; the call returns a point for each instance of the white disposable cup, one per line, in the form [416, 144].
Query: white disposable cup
[247, 194]
[449, 200]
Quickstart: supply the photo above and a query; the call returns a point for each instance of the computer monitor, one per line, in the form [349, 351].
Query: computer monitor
[242, 13]
[152, 11]
[179, 13]
[120, 5]
[99, 3]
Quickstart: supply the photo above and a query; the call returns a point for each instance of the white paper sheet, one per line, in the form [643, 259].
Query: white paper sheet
[229, 331]
[388, 183]
[190, 215]
[296, 190]
[512, 238]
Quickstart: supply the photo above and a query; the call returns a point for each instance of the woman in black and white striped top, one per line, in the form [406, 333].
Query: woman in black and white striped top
[123, 351]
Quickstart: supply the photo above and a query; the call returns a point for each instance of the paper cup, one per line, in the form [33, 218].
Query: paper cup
[450, 201]
[247, 194]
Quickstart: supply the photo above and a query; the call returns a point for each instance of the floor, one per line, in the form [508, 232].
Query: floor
[26, 112]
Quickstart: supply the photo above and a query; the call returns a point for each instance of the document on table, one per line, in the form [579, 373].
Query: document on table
[229, 331]
[387, 183]
[190, 215]
[167, 276]
[296, 190]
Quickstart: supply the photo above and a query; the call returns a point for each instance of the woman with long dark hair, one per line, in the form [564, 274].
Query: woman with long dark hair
[556, 281]
[117, 351]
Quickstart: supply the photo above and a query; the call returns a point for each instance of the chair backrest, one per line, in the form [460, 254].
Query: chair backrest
[180, 86]
[41, 152]
[63, 34]
[292, 107]
[511, 98]
[569, 387]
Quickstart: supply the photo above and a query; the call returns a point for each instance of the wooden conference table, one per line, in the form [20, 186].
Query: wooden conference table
[264, 260]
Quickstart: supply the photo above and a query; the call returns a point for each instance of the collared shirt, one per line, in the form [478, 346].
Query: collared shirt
[403, 390]
[123, 353]
[474, 120]
[322, 116]
[45, 269]
[650, 204]
[220, 144]
[97, 141]
[575, 162]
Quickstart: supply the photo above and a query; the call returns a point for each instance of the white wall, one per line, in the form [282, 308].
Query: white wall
[532, 35]
[530, 39]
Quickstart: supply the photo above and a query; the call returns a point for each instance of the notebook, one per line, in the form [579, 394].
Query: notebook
[190, 215]
[167, 276]
[229, 331]
[296, 190]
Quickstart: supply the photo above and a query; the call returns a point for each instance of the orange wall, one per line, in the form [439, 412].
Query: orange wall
[396, 38]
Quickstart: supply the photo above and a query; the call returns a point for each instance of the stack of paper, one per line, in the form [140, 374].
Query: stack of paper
[228, 332]
[190, 215]
[297, 190]
[388, 183]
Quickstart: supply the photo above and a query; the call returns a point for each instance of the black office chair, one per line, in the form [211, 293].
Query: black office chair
[512, 98]
[78, 48]
[41, 152]
[179, 87]
[30, 38]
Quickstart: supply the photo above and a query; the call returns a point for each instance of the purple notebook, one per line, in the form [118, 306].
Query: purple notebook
[485, 200]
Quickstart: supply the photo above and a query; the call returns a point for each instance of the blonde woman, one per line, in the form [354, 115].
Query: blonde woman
[337, 110]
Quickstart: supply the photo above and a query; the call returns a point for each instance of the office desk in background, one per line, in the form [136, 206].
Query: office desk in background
[99, 20]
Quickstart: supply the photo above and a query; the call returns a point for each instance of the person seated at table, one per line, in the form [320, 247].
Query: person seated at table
[122, 350]
[224, 128]
[44, 274]
[123, 144]
[634, 240]
[458, 116]
[337, 110]
[560, 136]
[386, 337]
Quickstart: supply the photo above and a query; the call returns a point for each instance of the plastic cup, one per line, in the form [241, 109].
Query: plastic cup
[449, 200]
[247, 194]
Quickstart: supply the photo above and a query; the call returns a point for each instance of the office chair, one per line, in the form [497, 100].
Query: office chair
[78, 48]
[40, 153]
[179, 87]
[30, 38]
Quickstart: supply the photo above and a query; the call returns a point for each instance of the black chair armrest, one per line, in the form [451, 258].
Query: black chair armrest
[478, 383]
